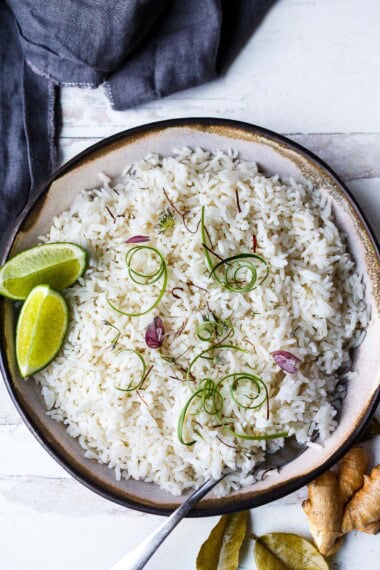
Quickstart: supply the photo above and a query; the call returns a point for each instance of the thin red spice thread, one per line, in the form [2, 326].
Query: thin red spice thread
[191, 284]
[146, 376]
[176, 289]
[141, 398]
[209, 237]
[213, 252]
[237, 200]
[227, 444]
[111, 214]
[181, 214]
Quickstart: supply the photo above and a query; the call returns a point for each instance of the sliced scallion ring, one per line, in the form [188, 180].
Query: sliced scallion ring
[144, 278]
[210, 330]
[233, 266]
[130, 387]
[237, 273]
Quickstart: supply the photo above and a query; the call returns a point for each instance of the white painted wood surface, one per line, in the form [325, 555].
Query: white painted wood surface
[311, 71]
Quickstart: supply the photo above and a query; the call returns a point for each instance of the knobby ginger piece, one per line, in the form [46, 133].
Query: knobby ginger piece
[352, 469]
[324, 510]
[363, 511]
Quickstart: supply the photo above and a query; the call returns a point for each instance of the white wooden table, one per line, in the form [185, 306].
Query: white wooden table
[311, 72]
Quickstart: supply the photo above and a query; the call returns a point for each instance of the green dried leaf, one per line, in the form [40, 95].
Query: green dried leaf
[286, 551]
[266, 560]
[220, 551]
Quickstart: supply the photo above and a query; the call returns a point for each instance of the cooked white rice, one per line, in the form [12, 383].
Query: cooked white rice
[311, 305]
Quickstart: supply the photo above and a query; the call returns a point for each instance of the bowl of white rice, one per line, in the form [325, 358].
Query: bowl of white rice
[231, 305]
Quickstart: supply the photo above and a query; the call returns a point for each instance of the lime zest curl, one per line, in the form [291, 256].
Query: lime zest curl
[130, 387]
[144, 278]
[212, 402]
[210, 330]
[228, 271]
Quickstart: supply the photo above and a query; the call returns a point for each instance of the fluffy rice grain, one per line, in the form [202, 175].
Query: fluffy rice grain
[312, 304]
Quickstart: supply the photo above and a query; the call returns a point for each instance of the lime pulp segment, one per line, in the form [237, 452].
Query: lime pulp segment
[41, 329]
[58, 265]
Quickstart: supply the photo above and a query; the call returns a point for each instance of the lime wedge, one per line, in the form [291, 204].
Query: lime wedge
[41, 328]
[56, 264]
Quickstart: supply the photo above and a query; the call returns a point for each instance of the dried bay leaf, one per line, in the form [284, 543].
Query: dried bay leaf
[287, 551]
[220, 551]
[266, 560]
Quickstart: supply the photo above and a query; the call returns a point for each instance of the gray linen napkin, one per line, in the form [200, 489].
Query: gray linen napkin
[140, 50]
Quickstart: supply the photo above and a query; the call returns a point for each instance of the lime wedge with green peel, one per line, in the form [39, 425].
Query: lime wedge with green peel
[56, 264]
[41, 328]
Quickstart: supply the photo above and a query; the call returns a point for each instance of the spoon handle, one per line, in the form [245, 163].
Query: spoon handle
[140, 555]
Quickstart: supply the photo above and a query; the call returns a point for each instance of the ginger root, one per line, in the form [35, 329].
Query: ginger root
[363, 511]
[351, 471]
[327, 496]
[324, 510]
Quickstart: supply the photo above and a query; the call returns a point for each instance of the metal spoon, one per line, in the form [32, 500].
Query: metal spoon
[141, 554]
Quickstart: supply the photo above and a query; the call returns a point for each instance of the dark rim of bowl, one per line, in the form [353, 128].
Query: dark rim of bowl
[240, 504]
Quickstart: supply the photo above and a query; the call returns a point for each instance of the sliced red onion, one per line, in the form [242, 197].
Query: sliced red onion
[154, 333]
[138, 239]
[286, 360]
